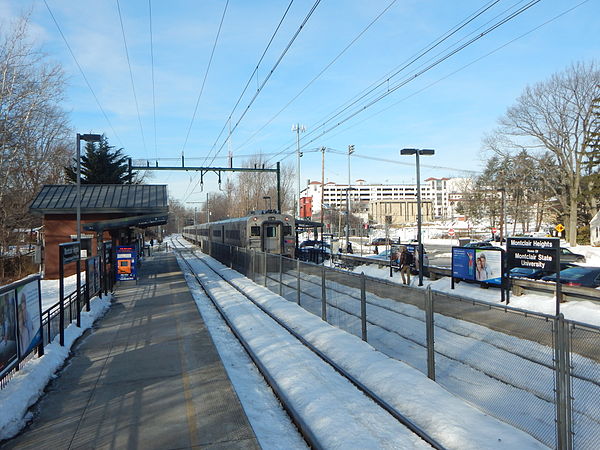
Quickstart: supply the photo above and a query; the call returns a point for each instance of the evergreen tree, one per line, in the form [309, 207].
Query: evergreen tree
[101, 164]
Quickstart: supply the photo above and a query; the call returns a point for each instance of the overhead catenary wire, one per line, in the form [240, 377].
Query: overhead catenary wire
[532, 30]
[153, 83]
[262, 85]
[412, 77]
[137, 107]
[315, 78]
[404, 65]
[83, 73]
[212, 53]
[266, 79]
[254, 72]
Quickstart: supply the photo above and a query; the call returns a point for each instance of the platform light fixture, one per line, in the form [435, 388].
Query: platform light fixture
[418, 152]
[87, 138]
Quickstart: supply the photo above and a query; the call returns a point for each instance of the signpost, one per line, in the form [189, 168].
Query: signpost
[68, 253]
[538, 253]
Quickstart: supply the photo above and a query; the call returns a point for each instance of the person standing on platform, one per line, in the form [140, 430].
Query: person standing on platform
[406, 259]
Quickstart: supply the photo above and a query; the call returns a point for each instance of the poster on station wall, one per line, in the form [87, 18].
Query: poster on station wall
[93, 274]
[477, 265]
[8, 330]
[28, 317]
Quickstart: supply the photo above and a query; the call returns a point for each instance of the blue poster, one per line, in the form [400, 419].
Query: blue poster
[463, 263]
[28, 317]
[126, 263]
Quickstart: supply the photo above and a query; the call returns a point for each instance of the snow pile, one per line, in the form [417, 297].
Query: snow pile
[27, 385]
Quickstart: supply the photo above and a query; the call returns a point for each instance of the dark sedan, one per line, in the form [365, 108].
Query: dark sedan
[567, 255]
[578, 276]
[536, 274]
[483, 245]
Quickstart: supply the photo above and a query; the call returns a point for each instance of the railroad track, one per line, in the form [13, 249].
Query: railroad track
[376, 407]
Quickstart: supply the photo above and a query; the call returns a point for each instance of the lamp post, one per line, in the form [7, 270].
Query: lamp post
[503, 228]
[87, 138]
[417, 152]
[350, 151]
[297, 128]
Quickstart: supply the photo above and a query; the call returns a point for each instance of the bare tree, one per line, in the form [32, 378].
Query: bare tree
[33, 127]
[557, 116]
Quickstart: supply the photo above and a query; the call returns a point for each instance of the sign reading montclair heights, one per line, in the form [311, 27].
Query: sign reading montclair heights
[534, 253]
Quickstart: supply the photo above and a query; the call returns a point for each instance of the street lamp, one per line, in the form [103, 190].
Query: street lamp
[504, 227]
[297, 128]
[417, 152]
[350, 151]
[87, 138]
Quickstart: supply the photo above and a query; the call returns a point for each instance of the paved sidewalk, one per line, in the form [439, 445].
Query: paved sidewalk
[147, 377]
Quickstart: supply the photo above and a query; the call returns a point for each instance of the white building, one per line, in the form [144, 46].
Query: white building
[439, 197]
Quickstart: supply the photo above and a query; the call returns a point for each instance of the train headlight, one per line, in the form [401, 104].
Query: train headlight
[287, 219]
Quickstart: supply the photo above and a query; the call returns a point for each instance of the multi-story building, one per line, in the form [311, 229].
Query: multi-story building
[439, 197]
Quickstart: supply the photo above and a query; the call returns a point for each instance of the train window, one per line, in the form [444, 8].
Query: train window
[287, 230]
[271, 231]
[254, 231]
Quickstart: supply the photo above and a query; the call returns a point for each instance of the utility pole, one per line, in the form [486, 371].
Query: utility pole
[322, 183]
[297, 128]
[350, 151]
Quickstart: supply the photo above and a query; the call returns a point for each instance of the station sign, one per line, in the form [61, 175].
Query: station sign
[534, 253]
[70, 252]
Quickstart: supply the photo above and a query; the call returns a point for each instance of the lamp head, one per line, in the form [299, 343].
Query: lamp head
[90, 137]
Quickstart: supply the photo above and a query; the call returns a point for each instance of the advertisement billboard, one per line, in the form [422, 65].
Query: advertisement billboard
[8, 330]
[484, 265]
[126, 263]
[28, 317]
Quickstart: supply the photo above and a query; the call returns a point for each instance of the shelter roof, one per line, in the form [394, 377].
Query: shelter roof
[128, 199]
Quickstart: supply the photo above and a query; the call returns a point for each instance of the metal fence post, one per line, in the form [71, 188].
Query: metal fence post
[280, 274]
[430, 333]
[265, 268]
[87, 287]
[253, 263]
[298, 281]
[363, 306]
[564, 437]
[323, 295]
[78, 314]
[231, 257]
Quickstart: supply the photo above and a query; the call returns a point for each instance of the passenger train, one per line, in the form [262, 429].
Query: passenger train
[267, 231]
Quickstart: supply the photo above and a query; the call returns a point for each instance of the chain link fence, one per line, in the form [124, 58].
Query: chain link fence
[537, 372]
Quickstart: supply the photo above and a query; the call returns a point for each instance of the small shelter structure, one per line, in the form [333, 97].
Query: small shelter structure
[108, 212]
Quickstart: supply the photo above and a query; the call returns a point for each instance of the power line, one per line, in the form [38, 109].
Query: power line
[463, 67]
[412, 77]
[251, 76]
[402, 66]
[338, 56]
[82, 73]
[262, 85]
[131, 77]
[205, 76]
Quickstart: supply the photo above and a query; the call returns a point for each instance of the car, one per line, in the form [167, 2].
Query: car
[566, 255]
[382, 241]
[384, 255]
[536, 274]
[578, 276]
[482, 244]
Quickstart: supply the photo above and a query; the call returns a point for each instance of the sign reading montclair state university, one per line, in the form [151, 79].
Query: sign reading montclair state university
[534, 253]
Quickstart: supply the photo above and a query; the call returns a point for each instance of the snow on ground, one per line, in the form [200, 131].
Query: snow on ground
[26, 387]
[454, 422]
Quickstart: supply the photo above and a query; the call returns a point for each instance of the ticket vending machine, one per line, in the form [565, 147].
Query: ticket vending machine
[126, 262]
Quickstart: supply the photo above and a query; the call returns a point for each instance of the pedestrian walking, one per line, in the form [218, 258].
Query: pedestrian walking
[406, 260]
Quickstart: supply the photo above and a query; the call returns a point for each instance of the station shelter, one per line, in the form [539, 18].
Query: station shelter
[109, 212]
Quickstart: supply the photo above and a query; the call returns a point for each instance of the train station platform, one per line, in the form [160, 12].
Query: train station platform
[147, 376]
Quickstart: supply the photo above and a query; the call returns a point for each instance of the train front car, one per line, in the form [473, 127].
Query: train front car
[271, 233]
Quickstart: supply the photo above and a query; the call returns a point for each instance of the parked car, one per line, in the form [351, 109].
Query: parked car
[566, 255]
[536, 274]
[482, 244]
[578, 276]
[382, 241]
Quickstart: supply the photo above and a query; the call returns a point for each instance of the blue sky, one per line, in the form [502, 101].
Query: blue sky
[447, 111]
